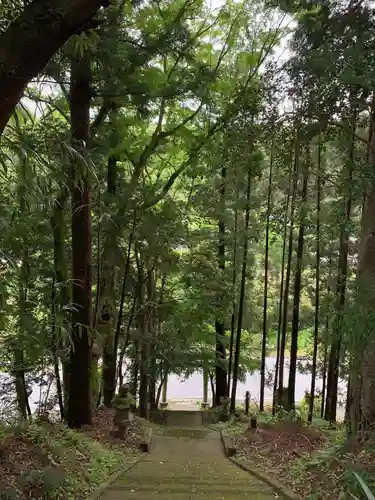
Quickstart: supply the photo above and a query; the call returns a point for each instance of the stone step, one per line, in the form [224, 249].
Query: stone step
[185, 495]
[189, 479]
[116, 495]
[160, 471]
[184, 418]
[167, 487]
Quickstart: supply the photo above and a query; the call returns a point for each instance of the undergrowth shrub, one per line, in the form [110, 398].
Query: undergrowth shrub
[60, 464]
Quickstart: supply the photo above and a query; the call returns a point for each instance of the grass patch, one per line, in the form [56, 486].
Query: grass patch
[50, 461]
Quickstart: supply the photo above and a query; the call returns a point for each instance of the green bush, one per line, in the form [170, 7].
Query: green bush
[304, 406]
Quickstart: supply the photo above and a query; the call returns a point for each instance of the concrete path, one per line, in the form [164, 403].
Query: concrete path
[187, 464]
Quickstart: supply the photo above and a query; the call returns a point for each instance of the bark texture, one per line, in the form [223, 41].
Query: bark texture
[220, 371]
[241, 301]
[297, 291]
[32, 39]
[80, 403]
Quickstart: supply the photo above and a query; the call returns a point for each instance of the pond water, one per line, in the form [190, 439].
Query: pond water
[192, 387]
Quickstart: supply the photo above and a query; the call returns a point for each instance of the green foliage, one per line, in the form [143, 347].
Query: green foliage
[366, 490]
[66, 463]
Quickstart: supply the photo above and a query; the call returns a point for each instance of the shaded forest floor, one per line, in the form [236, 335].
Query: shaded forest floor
[315, 462]
[48, 460]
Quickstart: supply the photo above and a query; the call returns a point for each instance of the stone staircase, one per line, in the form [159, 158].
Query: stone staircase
[184, 464]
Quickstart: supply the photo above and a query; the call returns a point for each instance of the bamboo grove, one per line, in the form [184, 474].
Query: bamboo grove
[177, 197]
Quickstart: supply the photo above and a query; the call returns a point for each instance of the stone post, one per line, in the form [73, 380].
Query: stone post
[164, 390]
[247, 402]
[205, 388]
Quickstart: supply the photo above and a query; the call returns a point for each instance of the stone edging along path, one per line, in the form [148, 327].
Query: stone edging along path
[145, 447]
[230, 452]
[112, 479]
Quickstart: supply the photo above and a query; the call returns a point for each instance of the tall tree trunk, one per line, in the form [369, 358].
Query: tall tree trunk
[40, 31]
[362, 380]
[80, 403]
[134, 372]
[334, 355]
[205, 386]
[55, 352]
[241, 301]
[279, 321]
[107, 299]
[297, 281]
[122, 304]
[159, 391]
[165, 387]
[220, 354]
[265, 292]
[61, 290]
[325, 354]
[152, 337]
[288, 273]
[234, 282]
[154, 399]
[19, 361]
[126, 341]
[212, 383]
[144, 351]
[317, 290]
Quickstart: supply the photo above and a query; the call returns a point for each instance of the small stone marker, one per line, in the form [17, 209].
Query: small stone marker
[224, 409]
[123, 403]
[247, 402]
[252, 424]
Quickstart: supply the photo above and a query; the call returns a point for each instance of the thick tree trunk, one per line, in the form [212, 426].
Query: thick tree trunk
[335, 351]
[80, 403]
[32, 39]
[19, 362]
[317, 291]
[165, 388]
[20, 383]
[265, 291]
[241, 301]
[297, 286]
[362, 381]
[220, 371]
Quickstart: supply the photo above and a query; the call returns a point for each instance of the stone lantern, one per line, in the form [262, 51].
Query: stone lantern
[123, 403]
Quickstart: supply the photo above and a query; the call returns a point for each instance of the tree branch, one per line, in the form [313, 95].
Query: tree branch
[32, 39]
[100, 117]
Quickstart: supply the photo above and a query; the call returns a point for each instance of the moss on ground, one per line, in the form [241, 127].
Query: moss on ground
[50, 461]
